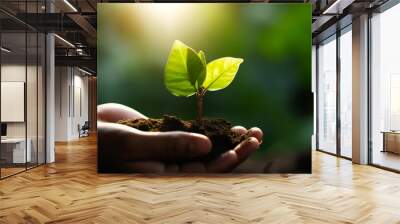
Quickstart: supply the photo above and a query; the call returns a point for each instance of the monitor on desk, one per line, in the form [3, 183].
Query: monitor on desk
[3, 130]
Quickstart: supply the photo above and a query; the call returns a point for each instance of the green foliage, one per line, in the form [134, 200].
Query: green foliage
[183, 69]
[221, 72]
[187, 72]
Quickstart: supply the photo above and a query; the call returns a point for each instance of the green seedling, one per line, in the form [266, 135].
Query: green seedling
[187, 73]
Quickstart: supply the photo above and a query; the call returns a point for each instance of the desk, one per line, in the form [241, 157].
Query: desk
[391, 141]
[13, 150]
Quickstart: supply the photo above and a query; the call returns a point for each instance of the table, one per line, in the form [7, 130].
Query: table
[16, 147]
[391, 141]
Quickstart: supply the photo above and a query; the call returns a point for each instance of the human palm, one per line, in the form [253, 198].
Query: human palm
[133, 150]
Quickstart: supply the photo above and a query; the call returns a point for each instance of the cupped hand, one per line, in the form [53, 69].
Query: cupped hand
[133, 150]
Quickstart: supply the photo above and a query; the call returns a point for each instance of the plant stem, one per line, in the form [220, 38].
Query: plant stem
[199, 98]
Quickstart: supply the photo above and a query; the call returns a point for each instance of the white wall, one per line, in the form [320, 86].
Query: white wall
[61, 103]
[81, 104]
[71, 94]
[16, 73]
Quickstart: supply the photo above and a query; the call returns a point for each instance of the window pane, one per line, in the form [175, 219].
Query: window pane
[386, 89]
[346, 94]
[327, 96]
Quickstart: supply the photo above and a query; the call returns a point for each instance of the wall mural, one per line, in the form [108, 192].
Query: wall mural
[204, 88]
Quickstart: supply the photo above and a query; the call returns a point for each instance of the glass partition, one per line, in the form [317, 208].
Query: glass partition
[23, 91]
[14, 153]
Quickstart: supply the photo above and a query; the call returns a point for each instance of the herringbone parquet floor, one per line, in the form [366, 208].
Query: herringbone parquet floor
[71, 191]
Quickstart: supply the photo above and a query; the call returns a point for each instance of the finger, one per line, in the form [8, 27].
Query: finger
[143, 167]
[193, 167]
[129, 144]
[113, 112]
[239, 130]
[224, 163]
[169, 146]
[245, 148]
[229, 160]
[257, 133]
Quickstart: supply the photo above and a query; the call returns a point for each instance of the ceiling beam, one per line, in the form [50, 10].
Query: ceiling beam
[83, 23]
[81, 61]
[337, 7]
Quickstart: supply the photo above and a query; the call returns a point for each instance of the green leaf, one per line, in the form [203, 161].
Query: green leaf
[195, 66]
[202, 76]
[202, 56]
[183, 69]
[221, 72]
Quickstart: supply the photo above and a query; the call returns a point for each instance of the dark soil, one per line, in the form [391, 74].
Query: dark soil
[217, 130]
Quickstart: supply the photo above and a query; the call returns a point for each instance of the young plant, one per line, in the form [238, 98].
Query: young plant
[187, 73]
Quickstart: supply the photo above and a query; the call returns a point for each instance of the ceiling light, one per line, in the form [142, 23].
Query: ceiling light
[84, 71]
[65, 41]
[79, 51]
[5, 50]
[70, 5]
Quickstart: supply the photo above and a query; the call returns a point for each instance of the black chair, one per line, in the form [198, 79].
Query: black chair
[84, 130]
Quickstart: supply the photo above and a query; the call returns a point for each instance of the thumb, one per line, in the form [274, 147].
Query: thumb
[170, 146]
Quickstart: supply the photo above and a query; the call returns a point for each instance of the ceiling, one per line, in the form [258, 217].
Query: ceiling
[332, 15]
[76, 22]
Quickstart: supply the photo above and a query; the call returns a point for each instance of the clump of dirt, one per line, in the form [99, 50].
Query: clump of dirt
[217, 130]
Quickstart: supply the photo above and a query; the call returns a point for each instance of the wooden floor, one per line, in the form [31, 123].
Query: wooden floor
[10, 171]
[70, 191]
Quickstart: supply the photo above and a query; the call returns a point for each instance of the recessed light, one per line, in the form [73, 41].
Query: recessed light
[84, 71]
[5, 50]
[70, 5]
[64, 40]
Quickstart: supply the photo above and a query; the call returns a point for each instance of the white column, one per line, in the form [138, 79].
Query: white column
[50, 92]
[50, 99]
[360, 90]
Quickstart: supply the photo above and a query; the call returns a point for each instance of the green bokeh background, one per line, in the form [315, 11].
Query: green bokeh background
[272, 89]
